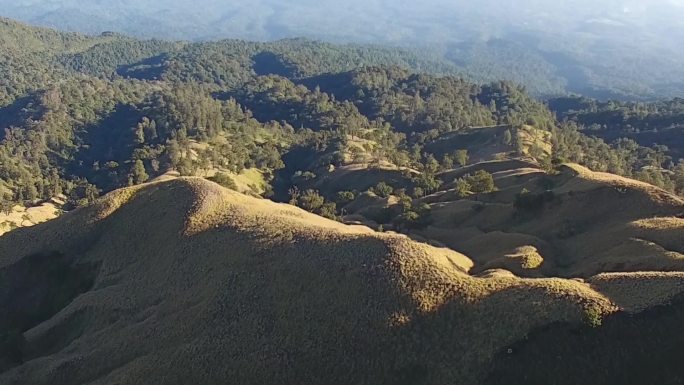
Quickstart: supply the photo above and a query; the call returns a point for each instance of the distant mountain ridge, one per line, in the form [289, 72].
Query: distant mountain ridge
[613, 49]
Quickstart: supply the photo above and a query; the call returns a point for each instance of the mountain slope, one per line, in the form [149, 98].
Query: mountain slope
[612, 49]
[183, 281]
[572, 223]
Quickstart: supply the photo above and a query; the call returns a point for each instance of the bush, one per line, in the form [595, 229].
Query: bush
[311, 201]
[526, 201]
[481, 183]
[328, 210]
[462, 188]
[593, 317]
[224, 180]
[383, 190]
[344, 197]
[461, 157]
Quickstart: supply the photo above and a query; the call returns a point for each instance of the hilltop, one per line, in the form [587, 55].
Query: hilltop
[183, 280]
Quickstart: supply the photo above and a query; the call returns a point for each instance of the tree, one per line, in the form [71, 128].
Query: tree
[328, 210]
[447, 162]
[383, 190]
[507, 138]
[224, 180]
[6, 206]
[139, 173]
[461, 157]
[311, 201]
[462, 188]
[431, 164]
[415, 216]
[294, 195]
[481, 182]
[91, 193]
[427, 182]
[344, 197]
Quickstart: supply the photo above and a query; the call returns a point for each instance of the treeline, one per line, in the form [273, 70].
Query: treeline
[82, 116]
[91, 136]
[645, 140]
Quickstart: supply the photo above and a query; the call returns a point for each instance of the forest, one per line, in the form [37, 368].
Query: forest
[610, 49]
[81, 116]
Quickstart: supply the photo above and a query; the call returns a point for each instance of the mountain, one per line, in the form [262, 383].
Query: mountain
[85, 115]
[437, 230]
[614, 49]
[182, 280]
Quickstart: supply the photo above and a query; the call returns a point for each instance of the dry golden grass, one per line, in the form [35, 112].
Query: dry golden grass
[360, 177]
[665, 231]
[634, 292]
[199, 283]
[584, 179]
[593, 222]
[533, 138]
[522, 261]
[26, 217]
[492, 167]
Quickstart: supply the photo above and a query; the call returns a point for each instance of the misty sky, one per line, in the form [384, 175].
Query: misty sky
[394, 21]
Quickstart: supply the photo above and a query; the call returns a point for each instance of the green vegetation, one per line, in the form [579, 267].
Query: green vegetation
[383, 190]
[312, 201]
[481, 182]
[82, 116]
[224, 180]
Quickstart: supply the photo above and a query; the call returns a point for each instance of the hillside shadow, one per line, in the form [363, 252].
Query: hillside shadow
[110, 139]
[645, 348]
[148, 69]
[32, 290]
[269, 63]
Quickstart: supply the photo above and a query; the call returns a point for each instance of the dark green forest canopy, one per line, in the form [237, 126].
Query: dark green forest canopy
[82, 115]
[608, 49]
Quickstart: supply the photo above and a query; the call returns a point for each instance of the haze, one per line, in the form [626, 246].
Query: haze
[377, 21]
[606, 49]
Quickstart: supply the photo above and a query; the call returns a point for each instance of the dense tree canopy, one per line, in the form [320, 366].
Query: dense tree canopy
[81, 116]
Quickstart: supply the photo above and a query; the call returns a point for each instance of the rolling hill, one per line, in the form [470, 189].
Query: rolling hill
[448, 232]
[183, 280]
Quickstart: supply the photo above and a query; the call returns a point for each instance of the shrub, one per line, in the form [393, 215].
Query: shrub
[224, 180]
[418, 192]
[383, 190]
[593, 317]
[481, 183]
[462, 188]
[526, 201]
[461, 157]
[310, 201]
[344, 197]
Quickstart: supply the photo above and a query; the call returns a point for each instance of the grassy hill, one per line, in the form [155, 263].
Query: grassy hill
[183, 280]
[573, 223]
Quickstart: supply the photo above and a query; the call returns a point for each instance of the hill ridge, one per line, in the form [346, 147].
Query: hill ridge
[186, 271]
